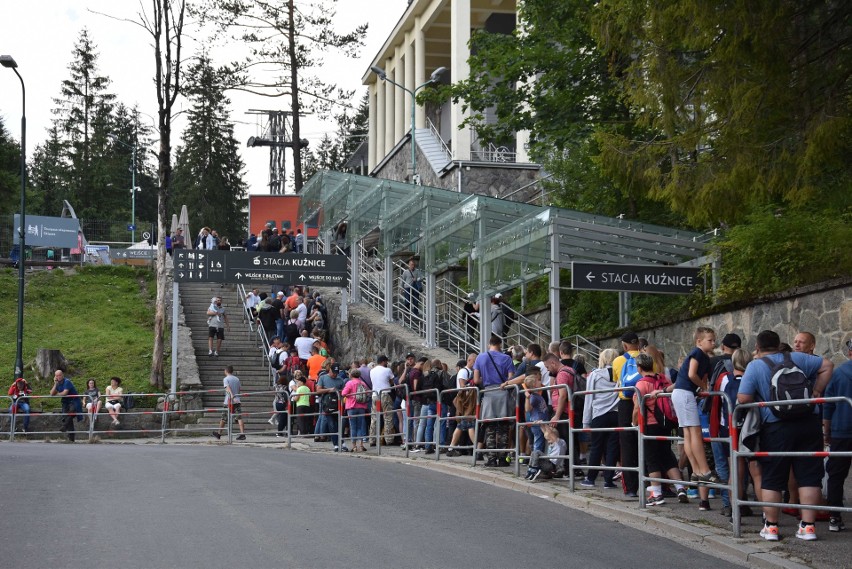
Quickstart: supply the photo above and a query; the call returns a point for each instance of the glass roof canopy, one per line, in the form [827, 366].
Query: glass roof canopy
[453, 235]
[514, 242]
[523, 251]
[404, 226]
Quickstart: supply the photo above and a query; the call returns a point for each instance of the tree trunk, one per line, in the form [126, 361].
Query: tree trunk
[294, 97]
[48, 361]
[164, 174]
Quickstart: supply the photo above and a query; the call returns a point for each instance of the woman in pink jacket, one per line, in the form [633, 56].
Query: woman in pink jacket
[356, 399]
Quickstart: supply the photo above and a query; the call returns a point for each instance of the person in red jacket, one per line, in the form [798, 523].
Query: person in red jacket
[19, 392]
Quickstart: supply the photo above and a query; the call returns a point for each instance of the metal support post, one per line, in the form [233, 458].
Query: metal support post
[431, 311]
[388, 289]
[553, 293]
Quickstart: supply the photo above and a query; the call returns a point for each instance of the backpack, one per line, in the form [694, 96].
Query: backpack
[629, 375]
[788, 382]
[664, 411]
[723, 366]
[362, 394]
[331, 402]
[128, 402]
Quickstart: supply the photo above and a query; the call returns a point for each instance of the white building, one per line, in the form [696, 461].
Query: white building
[432, 34]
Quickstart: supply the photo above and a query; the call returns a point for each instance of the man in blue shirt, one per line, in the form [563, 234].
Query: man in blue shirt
[71, 404]
[491, 372]
[776, 435]
[837, 430]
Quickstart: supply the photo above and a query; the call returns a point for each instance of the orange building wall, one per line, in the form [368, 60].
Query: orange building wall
[263, 209]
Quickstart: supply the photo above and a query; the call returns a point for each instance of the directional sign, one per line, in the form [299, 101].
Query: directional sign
[131, 227]
[201, 265]
[49, 231]
[146, 254]
[635, 278]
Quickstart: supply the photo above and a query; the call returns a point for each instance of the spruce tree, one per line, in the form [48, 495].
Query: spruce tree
[208, 169]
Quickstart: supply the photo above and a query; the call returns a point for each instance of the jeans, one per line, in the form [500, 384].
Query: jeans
[534, 433]
[25, 407]
[357, 424]
[413, 420]
[327, 425]
[604, 445]
[721, 456]
[447, 411]
[426, 425]
[279, 328]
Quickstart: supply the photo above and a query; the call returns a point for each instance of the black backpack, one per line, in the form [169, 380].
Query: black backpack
[788, 382]
[330, 402]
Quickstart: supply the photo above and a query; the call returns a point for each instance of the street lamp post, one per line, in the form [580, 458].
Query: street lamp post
[415, 179]
[133, 188]
[9, 61]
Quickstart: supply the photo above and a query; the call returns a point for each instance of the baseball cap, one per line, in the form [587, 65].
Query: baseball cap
[732, 341]
[335, 368]
[410, 355]
[630, 338]
[498, 295]
[382, 359]
[280, 293]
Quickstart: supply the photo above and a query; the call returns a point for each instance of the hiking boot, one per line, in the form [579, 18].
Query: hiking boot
[836, 524]
[806, 532]
[770, 532]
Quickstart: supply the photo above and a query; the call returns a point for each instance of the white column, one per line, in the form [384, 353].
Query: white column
[372, 130]
[419, 68]
[459, 54]
[409, 77]
[555, 309]
[379, 151]
[522, 139]
[388, 289]
[399, 96]
[390, 92]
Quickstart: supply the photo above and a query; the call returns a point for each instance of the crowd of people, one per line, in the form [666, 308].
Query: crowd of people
[529, 389]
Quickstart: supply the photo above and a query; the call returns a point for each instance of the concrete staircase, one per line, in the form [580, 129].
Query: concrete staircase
[240, 349]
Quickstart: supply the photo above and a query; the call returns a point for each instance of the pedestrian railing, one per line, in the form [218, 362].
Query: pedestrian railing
[457, 418]
[512, 420]
[736, 502]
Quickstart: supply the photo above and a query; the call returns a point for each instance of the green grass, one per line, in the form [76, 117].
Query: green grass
[100, 318]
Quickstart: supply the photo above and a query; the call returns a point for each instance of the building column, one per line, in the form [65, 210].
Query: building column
[381, 115]
[409, 77]
[459, 54]
[373, 129]
[419, 68]
[399, 96]
[389, 105]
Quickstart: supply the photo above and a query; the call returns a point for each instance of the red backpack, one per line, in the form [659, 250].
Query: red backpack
[664, 411]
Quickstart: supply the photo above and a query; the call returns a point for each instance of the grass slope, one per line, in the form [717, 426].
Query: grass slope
[101, 318]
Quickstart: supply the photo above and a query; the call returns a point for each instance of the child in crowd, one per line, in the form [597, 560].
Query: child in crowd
[535, 407]
[302, 397]
[691, 379]
[553, 464]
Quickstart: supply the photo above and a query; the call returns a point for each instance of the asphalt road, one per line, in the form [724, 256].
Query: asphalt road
[170, 506]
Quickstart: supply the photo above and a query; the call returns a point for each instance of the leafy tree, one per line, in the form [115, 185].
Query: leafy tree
[292, 35]
[10, 171]
[750, 103]
[208, 167]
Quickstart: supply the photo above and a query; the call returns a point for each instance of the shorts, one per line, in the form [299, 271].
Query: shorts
[466, 425]
[791, 436]
[213, 332]
[658, 454]
[685, 408]
[110, 405]
[236, 412]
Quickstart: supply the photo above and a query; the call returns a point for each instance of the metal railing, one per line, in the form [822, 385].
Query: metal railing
[372, 277]
[409, 306]
[444, 147]
[493, 153]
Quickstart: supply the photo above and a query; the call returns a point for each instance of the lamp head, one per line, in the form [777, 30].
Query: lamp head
[437, 74]
[379, 71]
[8, 61]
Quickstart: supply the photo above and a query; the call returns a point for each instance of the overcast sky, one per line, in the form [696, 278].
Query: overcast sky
[40, 35]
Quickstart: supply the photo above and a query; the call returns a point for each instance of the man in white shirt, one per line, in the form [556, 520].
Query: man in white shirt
[382, 378]
[303, 344]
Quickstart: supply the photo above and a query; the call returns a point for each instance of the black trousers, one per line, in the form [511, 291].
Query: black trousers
[604, 445]
[837, 470]
[629, 442]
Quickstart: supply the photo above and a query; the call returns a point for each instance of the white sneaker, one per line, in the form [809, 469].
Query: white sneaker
[769, 533]
[806, 532]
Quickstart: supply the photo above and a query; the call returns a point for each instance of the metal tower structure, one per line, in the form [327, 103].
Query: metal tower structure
[275, 134]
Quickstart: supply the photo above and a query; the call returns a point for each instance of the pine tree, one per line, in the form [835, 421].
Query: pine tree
[49, 175]
[10, 171]
[83, 111]
[208, 168]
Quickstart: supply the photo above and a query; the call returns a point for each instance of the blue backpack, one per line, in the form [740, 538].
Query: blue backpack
[630, 376]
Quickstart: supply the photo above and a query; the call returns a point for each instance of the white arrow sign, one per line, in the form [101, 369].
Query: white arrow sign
[301, 277]
[590, 277]
[238, 275]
